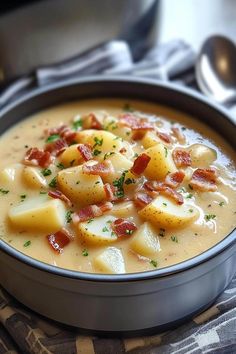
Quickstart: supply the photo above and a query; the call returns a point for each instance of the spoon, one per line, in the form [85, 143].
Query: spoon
[216, 69]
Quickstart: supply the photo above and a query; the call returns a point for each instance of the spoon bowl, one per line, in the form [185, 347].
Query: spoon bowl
[216, 69]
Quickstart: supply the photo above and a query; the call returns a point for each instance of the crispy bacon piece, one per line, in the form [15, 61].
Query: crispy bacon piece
[138, 134]
[174, 179]
[57, 147]
[141, 199]
[91, 212]
[181, 158]
[59, 195]
[59, 240]
[165, 137]
[110, 192]
[204, 179]
[162, 188]
[135, 123]
[101, 169]
[37, 157]
[63, 131]
[123, 227]
[92, 122]
[177, 132]
[85, 151]
[140, 164]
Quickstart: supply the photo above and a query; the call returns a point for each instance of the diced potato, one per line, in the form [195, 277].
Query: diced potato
[161, 162]
[201, 155]
[150, 139]
[71, 156]
[124, 210]
[120, 164]
[100, 116]
[145, 241]
[166, 213]
[9, 173]
[97, 231]
[81, 188]
[112, 124]
[110, 261]
[39, 214]
[105, 141]
[33, 177]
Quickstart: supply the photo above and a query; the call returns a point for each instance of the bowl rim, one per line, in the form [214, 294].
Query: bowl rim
[205, 256]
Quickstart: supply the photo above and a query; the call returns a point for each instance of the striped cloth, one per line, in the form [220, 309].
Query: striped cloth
[23, 331]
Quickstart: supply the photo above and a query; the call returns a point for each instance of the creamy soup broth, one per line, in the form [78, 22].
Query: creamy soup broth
[216, 209]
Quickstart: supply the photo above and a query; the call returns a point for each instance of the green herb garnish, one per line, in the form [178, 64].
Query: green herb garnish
[221, 204]
[189, 196]
[22, 196]
[105, 229]
[77, 124]
[27, 244]
[89, 221]
[46, 172]
[154, 263]
[53, 183]
[119, 184]
[85, 252]
[129, 181]
[108, 154]
[96, 152]
[60, 166]
[52, 138]
[4, 191]
[68, 216]
[166, 151]
[174, 239]
[42, 192]
[209, 217]
[98, 142]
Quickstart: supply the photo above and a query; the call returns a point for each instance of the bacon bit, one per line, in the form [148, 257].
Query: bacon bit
[181, 158]
[63, 131]
[85, 151]
[59, 195]
[101, 169]
[165, 137]
[174, 179]
[110, 191]
[140, 163]
[142, 199]
[57, 147]
[92, 122]
[37, 157]
[123, 227]
[138, 134]
[162, 188]
[178, 134]
[59, 240]
[135, 123]
[123, 150]
[204, 179]
[91, 212]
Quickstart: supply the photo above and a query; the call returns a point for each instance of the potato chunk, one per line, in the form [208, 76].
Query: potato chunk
[150, 139]
[81, 188]
[166, 213]
[145, 242]
[33, 178]
[120, 164]
[201, 155]
[71, 156]
[110, 261]
[9, 173]
[97, 231]
[161, 162]
[101, 140]
[39, 214]
[124, 210]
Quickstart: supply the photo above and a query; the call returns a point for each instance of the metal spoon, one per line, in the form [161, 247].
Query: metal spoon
[216, 69]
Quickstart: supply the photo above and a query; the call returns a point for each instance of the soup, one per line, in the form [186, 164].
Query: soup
[106, 186]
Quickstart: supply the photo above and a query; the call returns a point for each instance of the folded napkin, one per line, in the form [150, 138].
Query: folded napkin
[22, 330]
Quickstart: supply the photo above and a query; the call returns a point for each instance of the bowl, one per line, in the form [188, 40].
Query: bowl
[129, 304]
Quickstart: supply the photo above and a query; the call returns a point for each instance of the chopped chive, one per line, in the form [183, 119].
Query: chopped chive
[154, 263]
[85, 252]
[42, 192]
[27, 244]
[107, 154]
[53, 183]
[52, 138]
[60, 166]
[166, 151]
[68, 216]
[190, 210]
[209, 217]
[4, 191]
[98, 142]
[105, 229]
[96, 152]
[221, 204]
[189, 196]
[77, 124]
[89, 221]
[174, 239]
[46, 172]
[129, 181]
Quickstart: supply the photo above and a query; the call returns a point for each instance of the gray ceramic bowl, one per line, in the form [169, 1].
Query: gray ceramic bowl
[129, 303]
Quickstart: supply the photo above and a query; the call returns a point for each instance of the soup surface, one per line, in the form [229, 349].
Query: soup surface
[109, 186]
